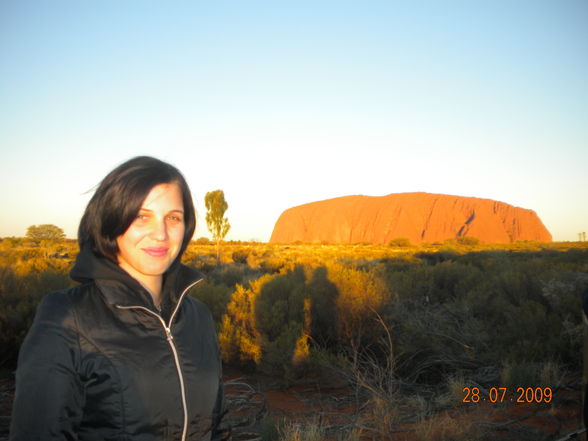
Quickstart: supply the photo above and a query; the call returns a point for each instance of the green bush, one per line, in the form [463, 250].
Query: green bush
[323, 295]
[240, 255]
[230, 274]
[468, 240]
[279, 317]
[215, 296]
[401, 242]
[19, 297]
[522, 374]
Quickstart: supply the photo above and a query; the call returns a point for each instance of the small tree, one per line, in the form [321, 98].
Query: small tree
[44, 232]
[216, 221]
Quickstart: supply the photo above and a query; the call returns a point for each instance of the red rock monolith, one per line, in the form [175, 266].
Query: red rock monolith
[420, 217]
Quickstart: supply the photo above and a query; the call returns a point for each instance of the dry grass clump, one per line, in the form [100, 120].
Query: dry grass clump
[315, 431]
[445, 427]
[551, 374]
[311, 431]
[380, 417]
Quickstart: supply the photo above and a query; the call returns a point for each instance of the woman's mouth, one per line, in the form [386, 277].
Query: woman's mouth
[156, 251]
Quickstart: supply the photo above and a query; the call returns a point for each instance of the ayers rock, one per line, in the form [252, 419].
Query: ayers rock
[420, 217]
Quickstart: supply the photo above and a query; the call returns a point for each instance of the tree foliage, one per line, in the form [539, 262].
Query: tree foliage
[239, 338]
[216, 222]
[44, 232]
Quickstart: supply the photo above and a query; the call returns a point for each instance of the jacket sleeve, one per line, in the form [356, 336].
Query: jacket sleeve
[221, 429]
[49, 395]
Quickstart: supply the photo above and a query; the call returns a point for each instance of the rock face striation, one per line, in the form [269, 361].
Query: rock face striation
[420, 217]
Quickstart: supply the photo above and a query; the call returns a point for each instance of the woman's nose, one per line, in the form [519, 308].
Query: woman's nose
[159, 229]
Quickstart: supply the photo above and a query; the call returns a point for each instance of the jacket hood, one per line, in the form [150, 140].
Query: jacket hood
[91, 268]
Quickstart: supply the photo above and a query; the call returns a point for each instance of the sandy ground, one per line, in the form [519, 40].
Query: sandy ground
[334, 406]
[255, 400]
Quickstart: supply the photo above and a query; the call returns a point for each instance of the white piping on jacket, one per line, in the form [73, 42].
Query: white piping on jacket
[170, 340]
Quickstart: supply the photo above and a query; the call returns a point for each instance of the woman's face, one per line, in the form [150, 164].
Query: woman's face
[152, 242]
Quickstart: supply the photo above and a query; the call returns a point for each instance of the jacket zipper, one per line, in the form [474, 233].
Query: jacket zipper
[170, 340]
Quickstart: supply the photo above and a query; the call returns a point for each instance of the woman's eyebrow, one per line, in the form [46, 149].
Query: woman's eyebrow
[170, 211]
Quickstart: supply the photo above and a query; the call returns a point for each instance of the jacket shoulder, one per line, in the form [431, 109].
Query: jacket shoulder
[198, 307]
[58, 306]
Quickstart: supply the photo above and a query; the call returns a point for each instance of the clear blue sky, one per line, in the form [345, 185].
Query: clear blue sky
[284, 103]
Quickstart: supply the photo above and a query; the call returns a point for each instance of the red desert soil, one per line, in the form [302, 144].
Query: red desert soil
[335, 407]
[420, 217]
[255, 398]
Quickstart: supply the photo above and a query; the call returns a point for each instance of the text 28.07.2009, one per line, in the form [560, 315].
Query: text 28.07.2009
[502, 394]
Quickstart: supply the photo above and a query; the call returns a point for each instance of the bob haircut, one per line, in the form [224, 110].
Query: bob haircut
[118, 199]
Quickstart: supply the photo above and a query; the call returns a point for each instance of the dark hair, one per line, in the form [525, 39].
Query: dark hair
[118, 199]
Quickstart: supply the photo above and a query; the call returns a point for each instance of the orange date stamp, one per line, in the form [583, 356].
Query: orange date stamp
[502, 394]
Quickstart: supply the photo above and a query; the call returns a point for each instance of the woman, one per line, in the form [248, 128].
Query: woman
[126, 355]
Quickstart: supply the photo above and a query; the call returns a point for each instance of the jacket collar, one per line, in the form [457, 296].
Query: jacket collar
[120, 288]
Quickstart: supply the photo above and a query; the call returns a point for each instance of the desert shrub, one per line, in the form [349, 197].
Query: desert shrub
[239, 339]
[401, 242]
[450, 280]
[267, 324]
[446, 427]
[484, 309]
[455, 384]
[280, 319]
[572, 260]
[432, 344]
[323, 295]
[550, 374]
[215, 296]
[468, 241]
[18, 303]
[11, 241]
[202, 262]
[280, 302]
[448, 312]
[229, 274]
[327, 363]
[361, 295]
[308, 431]
[20, 293]
[271, 265]
[279, 355]
[533, 333]
[16, 317]
[522, 374]
[240, 255]
[528, 327]
[433, 258]
[563, 296]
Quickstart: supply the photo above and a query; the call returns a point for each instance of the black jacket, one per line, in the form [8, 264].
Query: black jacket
[100, 363]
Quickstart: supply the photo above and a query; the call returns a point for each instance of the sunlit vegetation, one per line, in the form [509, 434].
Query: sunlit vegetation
[401, 323]
[44, 232]
[28, 270]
